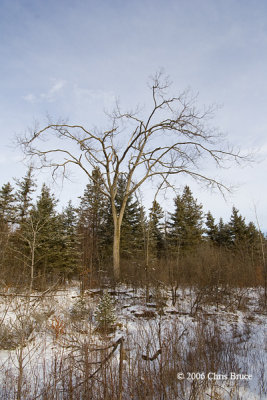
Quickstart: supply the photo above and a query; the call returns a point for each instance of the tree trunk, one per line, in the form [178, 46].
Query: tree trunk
[32, 259]
[117, 221]
[121, 369]
[116, 250]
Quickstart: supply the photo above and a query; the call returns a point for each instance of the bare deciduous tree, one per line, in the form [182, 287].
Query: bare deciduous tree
[173, 138]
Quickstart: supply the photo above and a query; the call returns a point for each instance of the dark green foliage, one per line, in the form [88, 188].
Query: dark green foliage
[50, 240]
[25, 240]
[92, 218]
[212, 229]
[7, 204]
[223, 234]
[237, 239]
[185, 225]
[45, 243]
[45, 208]
[105, 313]
[245, 239]
[38, 244]
[71, 255]
[253, 235]
[26, 187]
[7, 223]
[7, 219]
[132, 228]
[237, 227]
[236, 233]
[155, 230]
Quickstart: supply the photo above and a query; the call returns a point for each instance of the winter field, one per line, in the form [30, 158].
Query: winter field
[183, 343]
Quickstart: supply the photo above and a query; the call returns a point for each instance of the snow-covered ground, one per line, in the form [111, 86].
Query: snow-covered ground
[196, 345]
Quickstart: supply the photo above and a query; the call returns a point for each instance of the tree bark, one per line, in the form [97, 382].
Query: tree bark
[116, 250]
[32, 259]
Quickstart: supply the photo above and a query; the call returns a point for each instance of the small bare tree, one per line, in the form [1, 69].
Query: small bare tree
[173, 138]
[31, 237]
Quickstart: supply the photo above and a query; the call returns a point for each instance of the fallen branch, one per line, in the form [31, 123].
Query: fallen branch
[146, 358]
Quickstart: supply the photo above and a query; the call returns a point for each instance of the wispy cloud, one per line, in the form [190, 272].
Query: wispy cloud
[106, 98]
[217, 48]
[31, 98]
[263, 150]
[50, 95]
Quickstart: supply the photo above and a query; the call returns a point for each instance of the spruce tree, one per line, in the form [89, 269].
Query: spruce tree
[71, 241]
[7, 204]
[253, 235]
[26, 187]
[50, 258]
[212, 229]
[91, 219]
[105, 313]
[245, 238]
[185, 225]
[223, 237]
[7, 220]
[254, 240]
[237, 227]
[155, 230]
[132, 239]
[26, 233]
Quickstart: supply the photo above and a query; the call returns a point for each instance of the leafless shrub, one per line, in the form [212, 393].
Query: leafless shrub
[81, 310]
[13, 334]
[7, 338]
[81, 365]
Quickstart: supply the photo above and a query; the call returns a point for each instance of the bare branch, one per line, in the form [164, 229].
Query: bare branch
[173, 138]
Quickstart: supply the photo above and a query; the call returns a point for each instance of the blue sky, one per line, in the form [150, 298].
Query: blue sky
[72, 59]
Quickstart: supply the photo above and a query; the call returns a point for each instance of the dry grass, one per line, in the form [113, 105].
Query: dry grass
[59, 355]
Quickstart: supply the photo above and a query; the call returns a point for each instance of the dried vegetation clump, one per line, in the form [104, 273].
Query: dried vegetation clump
[57, 351]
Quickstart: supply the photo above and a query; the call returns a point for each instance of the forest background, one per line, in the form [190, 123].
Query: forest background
[41, 246]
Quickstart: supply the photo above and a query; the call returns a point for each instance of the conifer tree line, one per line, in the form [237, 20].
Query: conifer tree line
[40, 246]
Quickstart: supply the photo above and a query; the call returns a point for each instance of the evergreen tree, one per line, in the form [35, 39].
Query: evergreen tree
[244, 238]
[49, 254]
[223, 237]
[26, 187]
[212, 229]
[132, 239]
[7, 220]
[155, 230]
[253, 235]
[237, 227]
[236, 232]
[71, 240]
[25, 240]
[92, 214]
[106, 231]
[7, 204]
[105, 313]
[185, 225]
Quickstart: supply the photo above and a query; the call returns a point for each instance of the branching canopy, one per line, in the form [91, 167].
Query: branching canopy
[173, 139]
